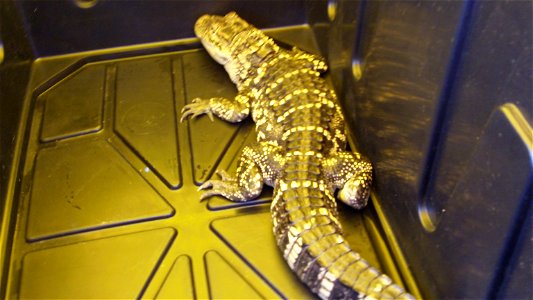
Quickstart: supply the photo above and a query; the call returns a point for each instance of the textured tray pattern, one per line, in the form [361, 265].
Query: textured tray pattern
[109, 207]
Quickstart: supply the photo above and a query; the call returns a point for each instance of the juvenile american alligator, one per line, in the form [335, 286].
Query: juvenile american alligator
[299, 151]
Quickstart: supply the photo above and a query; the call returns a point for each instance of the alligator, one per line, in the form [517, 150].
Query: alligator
[300, 152]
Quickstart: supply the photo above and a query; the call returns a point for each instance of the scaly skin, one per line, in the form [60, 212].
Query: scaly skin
[299, 151]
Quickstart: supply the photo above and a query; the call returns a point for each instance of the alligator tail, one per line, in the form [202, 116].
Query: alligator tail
[311, 241]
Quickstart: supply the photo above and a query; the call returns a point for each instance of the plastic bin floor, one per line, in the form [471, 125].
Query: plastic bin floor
[109, 206]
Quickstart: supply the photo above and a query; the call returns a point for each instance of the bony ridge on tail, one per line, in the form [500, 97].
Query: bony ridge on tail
[300, 151]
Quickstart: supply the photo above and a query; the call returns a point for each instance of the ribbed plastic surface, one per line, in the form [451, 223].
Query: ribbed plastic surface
[109, 207]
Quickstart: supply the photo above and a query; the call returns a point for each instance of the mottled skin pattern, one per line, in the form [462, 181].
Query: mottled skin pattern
[299, 151]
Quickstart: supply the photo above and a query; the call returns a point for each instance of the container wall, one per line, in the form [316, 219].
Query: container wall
[91, 25]
[438, 94]
[15, 63]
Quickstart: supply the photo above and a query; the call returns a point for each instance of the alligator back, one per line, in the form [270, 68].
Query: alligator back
[293, 106]
[304, 209]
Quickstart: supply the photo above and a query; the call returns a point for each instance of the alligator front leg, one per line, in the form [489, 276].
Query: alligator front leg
[228, 110]
[257, 165]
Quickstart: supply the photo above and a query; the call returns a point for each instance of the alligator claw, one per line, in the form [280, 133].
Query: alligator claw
[205, 185]
[196, 108]
[216, 187]
[211, 188]
[206, 195]
[225, 176]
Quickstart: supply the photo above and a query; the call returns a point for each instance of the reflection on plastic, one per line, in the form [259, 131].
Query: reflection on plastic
[1, 52]
[357, 71]
[332, 9]
[85, 4]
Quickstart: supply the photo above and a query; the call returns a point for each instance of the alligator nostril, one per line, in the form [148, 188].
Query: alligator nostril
[201, 25]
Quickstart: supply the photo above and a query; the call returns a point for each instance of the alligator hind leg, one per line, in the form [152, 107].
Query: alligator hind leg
[315, 62]
[351, 174]
[231, 188]
[257, 165]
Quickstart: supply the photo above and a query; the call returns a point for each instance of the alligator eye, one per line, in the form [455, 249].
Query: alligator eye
[226, 33]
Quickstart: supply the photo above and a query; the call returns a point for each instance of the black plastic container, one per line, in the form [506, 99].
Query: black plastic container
[98, 189]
